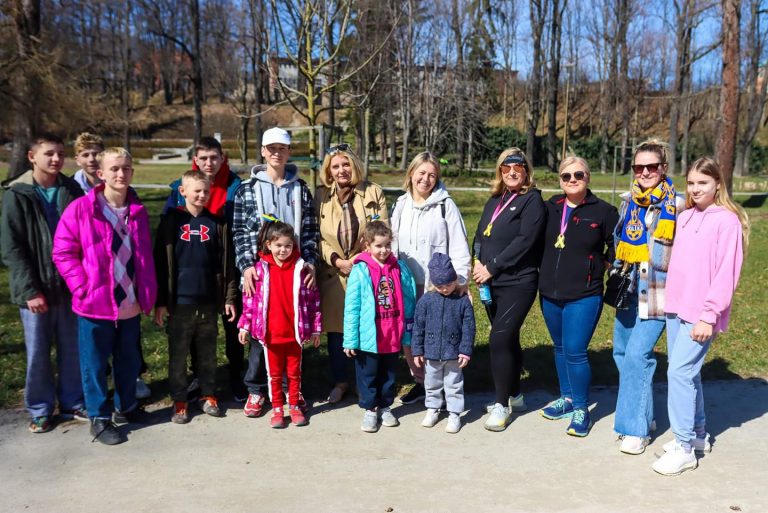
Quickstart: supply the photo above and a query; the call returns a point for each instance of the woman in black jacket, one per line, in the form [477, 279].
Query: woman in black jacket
[507, 249]
[578, 245]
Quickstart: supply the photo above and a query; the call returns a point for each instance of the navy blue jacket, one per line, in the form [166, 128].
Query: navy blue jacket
[444, 327]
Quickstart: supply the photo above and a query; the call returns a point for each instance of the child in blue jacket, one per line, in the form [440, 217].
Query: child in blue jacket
[380, 289]
[443, 336]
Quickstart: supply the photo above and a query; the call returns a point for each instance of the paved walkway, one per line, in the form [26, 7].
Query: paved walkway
[237, 464]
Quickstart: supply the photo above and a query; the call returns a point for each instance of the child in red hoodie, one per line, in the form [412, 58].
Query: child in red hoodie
[282, 315]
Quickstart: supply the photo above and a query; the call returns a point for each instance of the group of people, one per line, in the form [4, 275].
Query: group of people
[280, 268]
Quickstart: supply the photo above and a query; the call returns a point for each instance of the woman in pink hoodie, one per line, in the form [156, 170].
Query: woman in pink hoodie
[704, 269]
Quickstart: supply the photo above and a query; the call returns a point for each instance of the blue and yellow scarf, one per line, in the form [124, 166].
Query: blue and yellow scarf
[633, 246]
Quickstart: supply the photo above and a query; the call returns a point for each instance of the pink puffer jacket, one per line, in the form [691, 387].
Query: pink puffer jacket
[82, 252]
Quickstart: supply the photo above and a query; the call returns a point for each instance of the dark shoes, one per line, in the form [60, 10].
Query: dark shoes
[105, 432]
[414, 394]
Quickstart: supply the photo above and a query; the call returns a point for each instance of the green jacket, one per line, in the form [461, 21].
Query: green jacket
[27, 242]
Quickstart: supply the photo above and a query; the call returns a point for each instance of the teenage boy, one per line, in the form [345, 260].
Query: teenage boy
[210, 159]
[103, 250]
[32, 206]
[196, 280]
[87, 148]
[273, 188]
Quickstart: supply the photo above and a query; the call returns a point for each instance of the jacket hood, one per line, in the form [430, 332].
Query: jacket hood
[23, 179]
[701, 215]
[292, 258]
[560, 198]
[369, 259]
[259, 172]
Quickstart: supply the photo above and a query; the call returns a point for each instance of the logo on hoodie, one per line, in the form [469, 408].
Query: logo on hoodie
[186, 233]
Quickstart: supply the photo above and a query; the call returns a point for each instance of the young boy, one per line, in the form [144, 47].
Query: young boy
[210, 159]
[32, 206]
[380, 288]
[103, 250]
[87, 149]
[273, 188]
[196, 280]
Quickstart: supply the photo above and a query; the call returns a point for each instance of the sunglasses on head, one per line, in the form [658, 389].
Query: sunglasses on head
[652, 168]
[514, 159]
[335, 149]
[578, 175]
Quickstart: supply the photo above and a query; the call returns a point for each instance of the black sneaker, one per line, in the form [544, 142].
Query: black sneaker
[105, 432]
[414, 394]
[135, 416]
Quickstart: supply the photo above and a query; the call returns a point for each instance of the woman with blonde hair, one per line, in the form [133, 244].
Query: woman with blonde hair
[507, 250]
[345, 204]
[578, 246]
[704, 269]
[426, 220]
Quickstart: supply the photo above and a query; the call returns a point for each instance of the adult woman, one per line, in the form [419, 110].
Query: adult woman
[578, 245]
[344, 204]
[643, 238]
[507, 247]
[426, 220]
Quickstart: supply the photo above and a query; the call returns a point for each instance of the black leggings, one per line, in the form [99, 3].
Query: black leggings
[510, 306]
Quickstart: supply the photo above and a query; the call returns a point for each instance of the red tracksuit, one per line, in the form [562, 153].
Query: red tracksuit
[283, 352]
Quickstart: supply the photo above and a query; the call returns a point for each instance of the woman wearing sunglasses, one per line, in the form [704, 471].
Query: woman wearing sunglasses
[643, 239]
[507, 249]
[578, 246]
[345, 204]
[426, 220]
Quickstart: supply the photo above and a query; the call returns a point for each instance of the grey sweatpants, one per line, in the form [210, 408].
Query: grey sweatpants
[444, 376]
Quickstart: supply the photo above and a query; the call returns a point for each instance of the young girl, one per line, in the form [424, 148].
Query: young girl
[289, 309]
[703, 273]
[443, 334]
[380, 287]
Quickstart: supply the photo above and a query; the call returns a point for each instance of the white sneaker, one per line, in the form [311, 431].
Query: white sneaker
[370, 422]
[634, 444]
[142, 390]
[430, 419]
[387, 418]
[676, 461]
[498, 419]
[698, 444]
[516, 404]
[454, 423]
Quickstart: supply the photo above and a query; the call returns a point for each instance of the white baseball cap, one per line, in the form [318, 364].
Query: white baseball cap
[276, 136]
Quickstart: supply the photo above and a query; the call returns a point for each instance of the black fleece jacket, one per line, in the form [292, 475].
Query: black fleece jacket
[576, 271]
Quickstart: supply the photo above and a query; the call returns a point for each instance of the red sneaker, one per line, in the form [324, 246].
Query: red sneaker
[297, 416]
[277, 421]
[254, 406]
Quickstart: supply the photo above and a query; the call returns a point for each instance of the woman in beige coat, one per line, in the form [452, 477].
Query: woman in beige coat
[345, 204]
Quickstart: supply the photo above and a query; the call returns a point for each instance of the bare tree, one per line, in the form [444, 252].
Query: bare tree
[538, 18]
[729, 93]
[553, 82]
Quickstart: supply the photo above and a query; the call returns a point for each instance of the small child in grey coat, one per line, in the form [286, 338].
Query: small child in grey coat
[442, 339]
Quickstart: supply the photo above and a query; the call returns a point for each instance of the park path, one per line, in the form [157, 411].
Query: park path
[237, 464]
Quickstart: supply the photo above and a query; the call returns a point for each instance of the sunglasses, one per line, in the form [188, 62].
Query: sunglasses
[578, 175]
[652, 168]
[517, 170]
[335, 149]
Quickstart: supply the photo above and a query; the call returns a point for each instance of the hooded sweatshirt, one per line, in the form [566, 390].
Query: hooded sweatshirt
[388, 296]
[705, 265]
[434, 226]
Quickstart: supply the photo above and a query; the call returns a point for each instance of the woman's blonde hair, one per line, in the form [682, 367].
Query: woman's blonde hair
[573, 159]
[355, 165]
[418, 160]
[710, 167]
[497, 186]
[656, 146]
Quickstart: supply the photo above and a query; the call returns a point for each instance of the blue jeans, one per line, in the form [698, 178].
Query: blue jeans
[100, 339]
[339, 362]
[685, 402]
[633, 343]
[375, 379]
[40, 388]
[571, 325]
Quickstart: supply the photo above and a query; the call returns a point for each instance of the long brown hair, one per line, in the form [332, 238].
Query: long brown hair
[710, 167]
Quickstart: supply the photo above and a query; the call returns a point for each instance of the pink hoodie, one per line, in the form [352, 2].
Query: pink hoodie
[705, 265]
[388, 298]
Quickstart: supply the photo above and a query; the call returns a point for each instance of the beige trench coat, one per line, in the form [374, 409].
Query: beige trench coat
[369, 201]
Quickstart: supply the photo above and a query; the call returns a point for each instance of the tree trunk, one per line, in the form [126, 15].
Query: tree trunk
[553, 84]
[729, 94]
[538, 19]
[197, 69]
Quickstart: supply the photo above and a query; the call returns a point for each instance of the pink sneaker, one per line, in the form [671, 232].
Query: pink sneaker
[278, 420]
[254, 406]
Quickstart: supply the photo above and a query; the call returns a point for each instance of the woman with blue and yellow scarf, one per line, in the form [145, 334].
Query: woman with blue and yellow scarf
[643, 240]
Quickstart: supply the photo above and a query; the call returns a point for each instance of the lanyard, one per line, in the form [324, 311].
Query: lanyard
[560, 242]
[496, 213]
